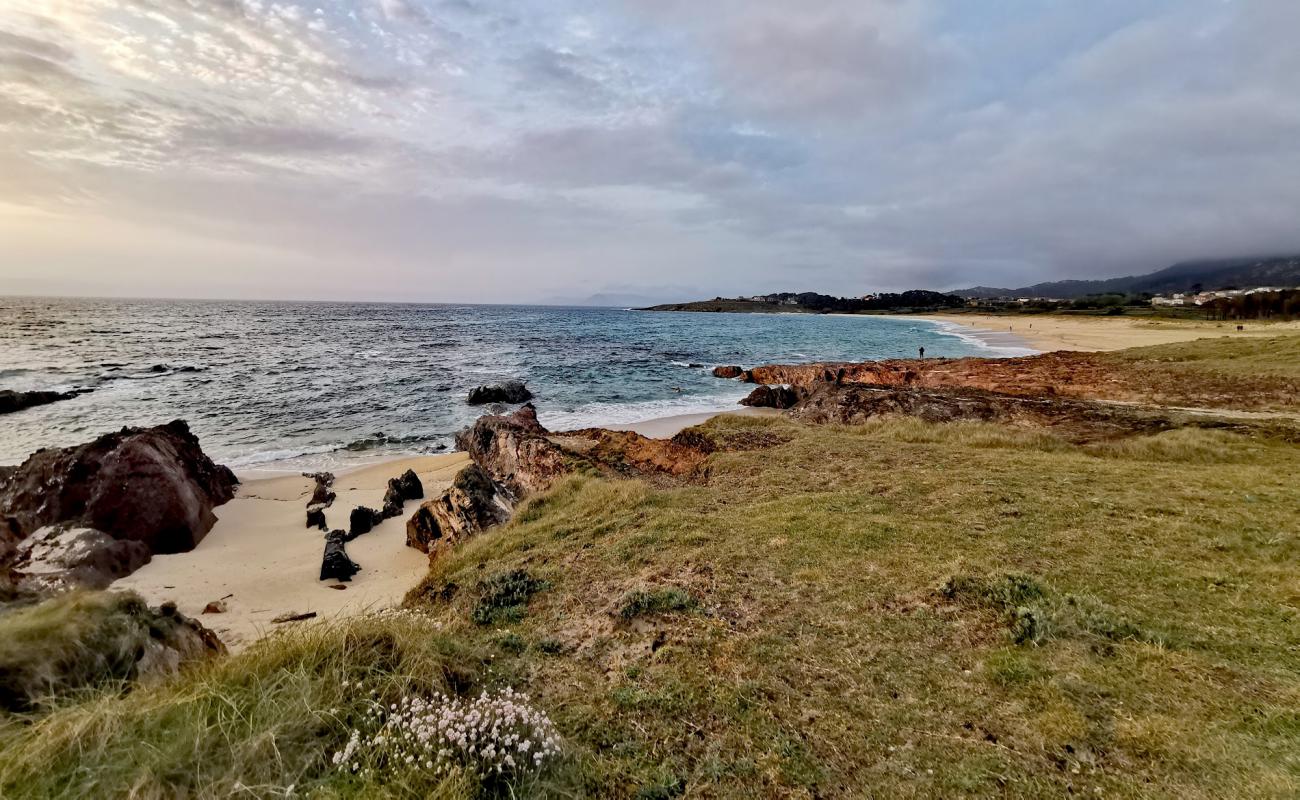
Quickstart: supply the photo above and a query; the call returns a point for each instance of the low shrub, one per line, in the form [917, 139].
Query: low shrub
[504, 597]
[657, 601]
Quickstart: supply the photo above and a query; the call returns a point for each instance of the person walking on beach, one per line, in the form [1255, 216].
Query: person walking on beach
[922, 349]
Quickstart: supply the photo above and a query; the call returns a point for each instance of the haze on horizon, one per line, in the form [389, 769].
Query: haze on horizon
[461, 150]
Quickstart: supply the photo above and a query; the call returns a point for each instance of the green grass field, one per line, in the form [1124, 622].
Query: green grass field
[892, 610]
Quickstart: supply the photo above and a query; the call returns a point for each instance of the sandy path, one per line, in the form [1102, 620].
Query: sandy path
[1045, 332]
[263, 556]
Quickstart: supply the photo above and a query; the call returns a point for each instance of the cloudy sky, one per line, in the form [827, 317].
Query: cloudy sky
[467, 150]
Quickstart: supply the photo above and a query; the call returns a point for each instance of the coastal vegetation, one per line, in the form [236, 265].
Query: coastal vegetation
[939, 609]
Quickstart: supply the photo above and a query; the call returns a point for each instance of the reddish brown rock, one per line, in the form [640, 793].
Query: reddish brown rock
[514, 451]
[514, 456]
[730, 371]
[1127, 376]
[473, 504]
[150, 485]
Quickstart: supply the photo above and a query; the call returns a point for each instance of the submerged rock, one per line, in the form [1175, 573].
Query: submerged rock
[11, 401]
[505, 392]
[149, 485]
[473, 504]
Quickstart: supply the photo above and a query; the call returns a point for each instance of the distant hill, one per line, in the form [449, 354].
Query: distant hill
[814, 303]
[1186, 276]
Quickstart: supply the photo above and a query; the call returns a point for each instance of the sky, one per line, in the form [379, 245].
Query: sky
[636, 150]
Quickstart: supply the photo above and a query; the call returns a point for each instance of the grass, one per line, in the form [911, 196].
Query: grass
[1227, 356]
[895, 609]
[251, 725]
[1128, 621]
[74, 642]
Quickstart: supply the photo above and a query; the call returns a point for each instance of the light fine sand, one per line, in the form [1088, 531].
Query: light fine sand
[1045, 332]
[265, 562]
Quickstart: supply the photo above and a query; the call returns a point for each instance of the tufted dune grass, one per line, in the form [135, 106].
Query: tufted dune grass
[896, 609]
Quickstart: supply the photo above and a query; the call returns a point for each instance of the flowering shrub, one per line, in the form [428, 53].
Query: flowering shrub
[493, 735]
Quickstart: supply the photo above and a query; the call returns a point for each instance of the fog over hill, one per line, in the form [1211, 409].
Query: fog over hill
[1182, 277]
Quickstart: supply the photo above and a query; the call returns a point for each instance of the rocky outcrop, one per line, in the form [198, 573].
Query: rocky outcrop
[58, 559]
[84, 639]
[771, 397]
[1079, 421]
[149, 485]
[1127, 376]
[473, 504]
[515, 452]
[506, 392]
[515, 456]
[729, 371]
[335, 564]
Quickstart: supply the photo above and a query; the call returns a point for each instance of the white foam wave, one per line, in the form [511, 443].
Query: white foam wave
[984, 340]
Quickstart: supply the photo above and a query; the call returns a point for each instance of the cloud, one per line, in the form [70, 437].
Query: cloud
[515, 150]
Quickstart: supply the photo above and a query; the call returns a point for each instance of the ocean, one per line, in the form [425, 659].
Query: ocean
[279, 385]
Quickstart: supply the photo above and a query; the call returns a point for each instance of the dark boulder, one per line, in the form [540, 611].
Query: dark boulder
[771, 397]
[410, 485]
[56, 559]
[150, 485]
[11, 401]
[473, 504]
[362, 520]
[335, 564]
[316, 517]
[393, 500]
[506, 392]
[323, 493]
[730, 371]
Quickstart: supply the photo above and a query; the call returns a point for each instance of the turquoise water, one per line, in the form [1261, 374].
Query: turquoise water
[306, 385]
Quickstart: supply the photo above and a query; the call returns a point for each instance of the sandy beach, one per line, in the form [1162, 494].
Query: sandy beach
[262, 561]
[1048, 333]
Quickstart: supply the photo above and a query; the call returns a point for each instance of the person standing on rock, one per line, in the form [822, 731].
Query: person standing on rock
[922, 351]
